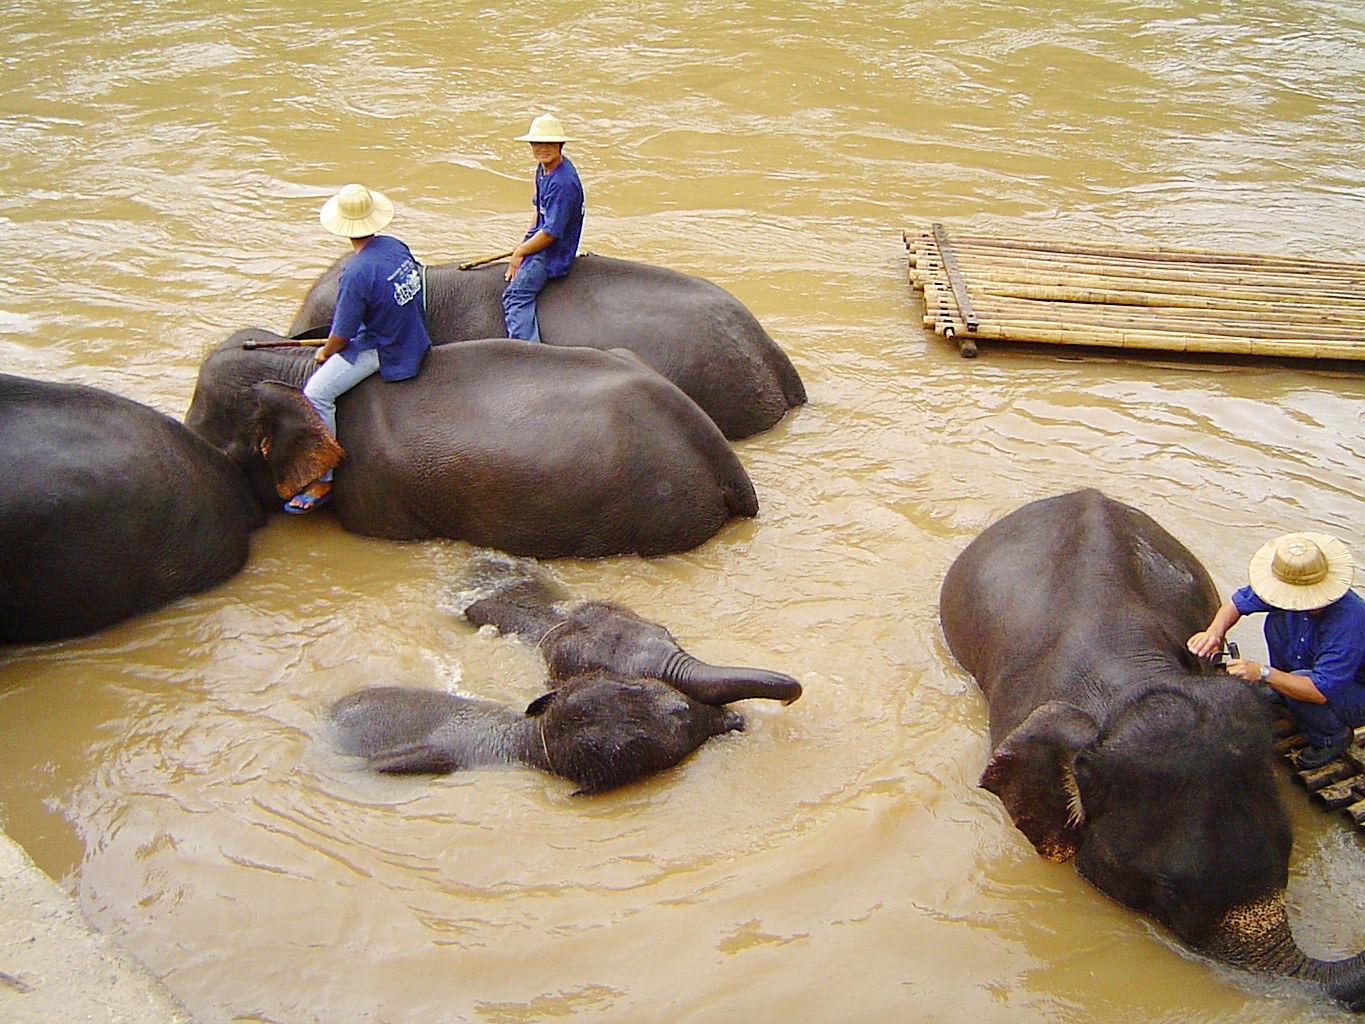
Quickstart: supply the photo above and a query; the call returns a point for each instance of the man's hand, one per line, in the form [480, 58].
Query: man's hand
[1205, 644]
[335, 343]
[1244, 669]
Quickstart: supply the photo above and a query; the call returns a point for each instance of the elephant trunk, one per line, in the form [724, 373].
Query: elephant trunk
[1256, 937]
[718, 684]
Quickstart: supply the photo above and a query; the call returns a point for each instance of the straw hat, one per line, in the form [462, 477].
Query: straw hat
[1301, 571]
[356, 211]
[545, 128]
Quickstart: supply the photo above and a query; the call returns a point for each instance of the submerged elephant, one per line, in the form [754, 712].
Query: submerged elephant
[611, 719]
[596, 731]
[107, 509]
[578, 637]
[531, 449]
[1113, 744]
[691, 331]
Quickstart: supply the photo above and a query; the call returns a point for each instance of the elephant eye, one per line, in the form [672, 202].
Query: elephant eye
[1167, 891]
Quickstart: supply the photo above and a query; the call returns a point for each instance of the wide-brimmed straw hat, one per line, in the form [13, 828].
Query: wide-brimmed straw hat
[545, 128]
[1301, 571]
[356, 211]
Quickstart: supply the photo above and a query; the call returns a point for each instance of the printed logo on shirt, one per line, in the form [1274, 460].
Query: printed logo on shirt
[407, 282]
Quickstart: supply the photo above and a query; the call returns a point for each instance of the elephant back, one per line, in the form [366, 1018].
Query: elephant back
[536, 450]
[691, 331]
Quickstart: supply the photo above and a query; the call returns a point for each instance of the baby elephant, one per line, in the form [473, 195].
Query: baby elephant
[577, 637]
[595, 731]
[629, 701]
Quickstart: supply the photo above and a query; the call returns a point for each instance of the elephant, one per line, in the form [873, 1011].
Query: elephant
[627, 701]
[108, 509]
[693, 332]
[1113, 744]
[578, 637]
[596, 731]
[532, 449]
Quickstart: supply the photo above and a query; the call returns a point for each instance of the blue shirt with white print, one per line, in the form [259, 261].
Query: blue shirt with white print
[379, 305]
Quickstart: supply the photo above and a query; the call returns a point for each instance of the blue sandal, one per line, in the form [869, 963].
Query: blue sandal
[303, 502]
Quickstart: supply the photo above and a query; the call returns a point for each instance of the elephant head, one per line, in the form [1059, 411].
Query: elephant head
[602, 732]
[248, 404]
[1169, 807]
[596, 731]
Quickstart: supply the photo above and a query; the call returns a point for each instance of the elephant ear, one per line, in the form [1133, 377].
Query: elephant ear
[541, 704]
[296, 444]
[1031, 772]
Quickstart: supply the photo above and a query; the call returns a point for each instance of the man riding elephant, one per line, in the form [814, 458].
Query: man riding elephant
[377, 326]
[551, 242]
[686, 328]
[532, 449]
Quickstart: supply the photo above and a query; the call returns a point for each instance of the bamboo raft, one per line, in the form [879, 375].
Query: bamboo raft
[1338, 785]
[979, 287]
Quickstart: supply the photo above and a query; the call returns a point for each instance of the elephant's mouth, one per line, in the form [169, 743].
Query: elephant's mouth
[1163, 902]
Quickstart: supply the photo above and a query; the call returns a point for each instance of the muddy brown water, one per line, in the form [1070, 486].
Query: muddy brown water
[164, 163]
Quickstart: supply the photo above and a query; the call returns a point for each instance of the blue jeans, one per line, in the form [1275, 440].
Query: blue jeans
[333, 379]
[519, 298]
[1321, 724]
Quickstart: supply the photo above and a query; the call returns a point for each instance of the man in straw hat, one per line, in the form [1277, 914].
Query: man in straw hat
[1314, 631]
[550, 244]
[377, 325]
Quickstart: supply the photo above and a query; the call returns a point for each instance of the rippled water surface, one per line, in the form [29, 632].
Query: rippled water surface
[164, 162]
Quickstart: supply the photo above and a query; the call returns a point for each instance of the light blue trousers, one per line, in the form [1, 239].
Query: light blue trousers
[333, 379]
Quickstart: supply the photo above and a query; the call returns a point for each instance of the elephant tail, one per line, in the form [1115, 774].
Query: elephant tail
[740, 497]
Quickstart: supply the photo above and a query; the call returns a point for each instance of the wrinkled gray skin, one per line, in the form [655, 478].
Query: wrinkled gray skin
[594, 730]
[627, 701]
[689, 330]
[107, 509]
[530, 449]
[596, 636]
[1113, 744]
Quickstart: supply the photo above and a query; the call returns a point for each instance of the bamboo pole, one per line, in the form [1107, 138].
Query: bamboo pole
[1024, 321]
[1316, 290]
[983, 279]
[1080, 304]
[1117, 296]
[990, 262]
[1347, 277]
[1267, 331]
[1141, 252]
[997, 307]
[1164, 341]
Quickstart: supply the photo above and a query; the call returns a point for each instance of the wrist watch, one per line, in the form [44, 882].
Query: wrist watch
[1265, 673]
